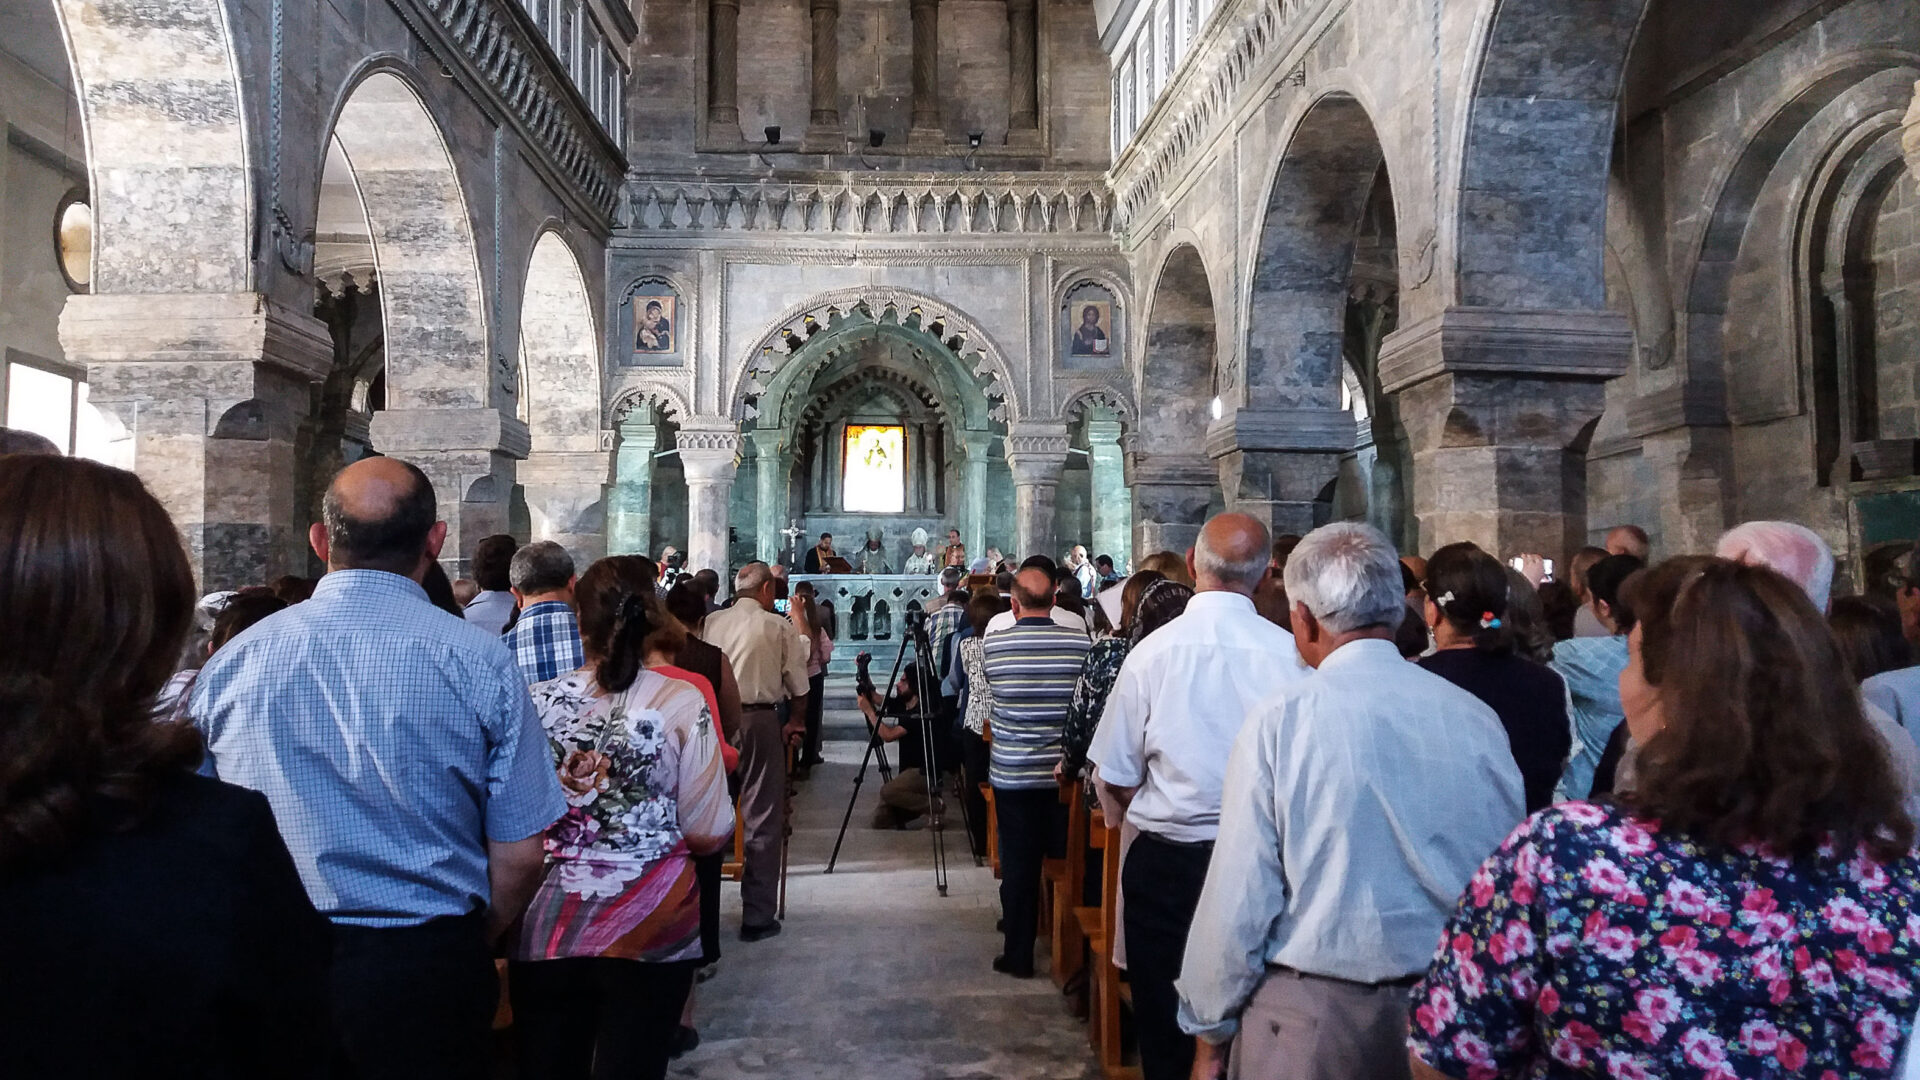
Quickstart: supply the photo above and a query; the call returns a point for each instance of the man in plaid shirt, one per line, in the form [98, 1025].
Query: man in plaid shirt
[946, 620]
[546, 640]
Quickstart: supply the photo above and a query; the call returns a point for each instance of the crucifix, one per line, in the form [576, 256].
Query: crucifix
[793, 532]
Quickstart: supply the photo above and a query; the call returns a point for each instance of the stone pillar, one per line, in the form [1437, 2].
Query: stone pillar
[770, 468]
[975, 445]
[1112, 517]
[927, 131]
[1023, 93]
[1273, 463]
[567, 497]
[723, 68]
[469, 454]
[710, 457]
[823, 121]
[211, 389]
[1036, 453]
[1495, 403]
[1171, 494]
[630, 507]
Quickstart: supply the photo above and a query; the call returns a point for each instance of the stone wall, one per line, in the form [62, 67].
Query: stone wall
[1896, 308]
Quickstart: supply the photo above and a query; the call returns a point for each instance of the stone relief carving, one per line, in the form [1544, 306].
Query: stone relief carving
[708, 440]
[668, 400]
[981, 203]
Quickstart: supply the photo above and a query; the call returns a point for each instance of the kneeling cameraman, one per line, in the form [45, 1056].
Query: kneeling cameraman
[897, 720]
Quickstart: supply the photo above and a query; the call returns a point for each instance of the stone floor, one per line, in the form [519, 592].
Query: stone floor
[877, 977]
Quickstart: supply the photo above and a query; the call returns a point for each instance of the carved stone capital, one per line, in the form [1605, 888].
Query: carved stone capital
[1584, 345]
[194, 328]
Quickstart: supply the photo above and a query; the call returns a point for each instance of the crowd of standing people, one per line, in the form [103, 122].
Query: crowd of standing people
[1384, 816]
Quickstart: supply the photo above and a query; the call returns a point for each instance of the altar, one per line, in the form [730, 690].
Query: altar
[870, 610]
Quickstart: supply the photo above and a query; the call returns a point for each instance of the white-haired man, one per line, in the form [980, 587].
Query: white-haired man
[1802, 557]
[769, 661]
[1358, 803]
[1162, 746]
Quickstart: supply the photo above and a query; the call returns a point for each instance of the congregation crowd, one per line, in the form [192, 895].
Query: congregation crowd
[1384, 816]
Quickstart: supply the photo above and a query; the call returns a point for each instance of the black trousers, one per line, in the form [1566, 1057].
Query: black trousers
[1161, 882]
[597, 1017]
[1032, 827]
[974, 760]
[708, 870]
[816, 709]
[414, 1001]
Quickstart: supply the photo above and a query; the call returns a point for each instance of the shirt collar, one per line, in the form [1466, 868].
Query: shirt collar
[1221, 600]
[544, 605]
[369, 583]
[1363, 651]
[1036, 620]
[744, 602]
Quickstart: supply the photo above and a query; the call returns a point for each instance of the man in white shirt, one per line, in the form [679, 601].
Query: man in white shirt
[1162, 747]
[1358, 803]
[1061, 616]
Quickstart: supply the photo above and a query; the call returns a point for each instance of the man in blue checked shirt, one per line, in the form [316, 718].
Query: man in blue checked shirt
[407, 771]
[546, 640]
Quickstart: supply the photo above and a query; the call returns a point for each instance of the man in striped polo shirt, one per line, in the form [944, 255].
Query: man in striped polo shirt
[1031, 669]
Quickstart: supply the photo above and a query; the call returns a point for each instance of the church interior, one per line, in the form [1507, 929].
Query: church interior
[717, 277]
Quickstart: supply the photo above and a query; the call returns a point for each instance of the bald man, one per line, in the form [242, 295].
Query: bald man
[409, 775]
[1162, 749]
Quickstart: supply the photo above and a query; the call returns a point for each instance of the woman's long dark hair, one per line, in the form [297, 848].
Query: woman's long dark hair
[620, 617]
[96, 598]
[1470, 588]
[1764, 739]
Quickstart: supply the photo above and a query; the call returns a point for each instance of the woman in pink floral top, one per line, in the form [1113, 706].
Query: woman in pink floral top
[605, 954]
[1749, 907]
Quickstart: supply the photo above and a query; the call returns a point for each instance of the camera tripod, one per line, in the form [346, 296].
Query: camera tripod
[923, 715]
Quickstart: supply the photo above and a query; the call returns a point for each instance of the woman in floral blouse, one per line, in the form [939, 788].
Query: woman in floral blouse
[1098, 672]
[605, 956]
[1747, 910]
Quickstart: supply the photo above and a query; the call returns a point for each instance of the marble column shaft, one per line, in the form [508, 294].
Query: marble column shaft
[723, 65]
[630, 510]
[710, 460]
[825, 96]
[976, 445]
[926, 64]
[1112, 517]
[770, 468]
[211, 390]
[1023, 113]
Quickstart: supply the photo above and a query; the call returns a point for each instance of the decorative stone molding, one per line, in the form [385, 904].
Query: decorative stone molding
[496, 39]
[1588, 345]
[1285, 430]
[195, 328]
[669, 400]
[403, 432]
[709, 439]
[1103, 395]
[1241, 42]
[939, 204]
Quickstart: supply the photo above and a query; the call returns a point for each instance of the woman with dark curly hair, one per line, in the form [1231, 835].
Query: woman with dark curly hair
[1747, 909]
[154, 922]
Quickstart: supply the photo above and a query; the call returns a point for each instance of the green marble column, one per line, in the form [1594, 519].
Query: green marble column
[1112, 504]
[771, 466]
[630, 510]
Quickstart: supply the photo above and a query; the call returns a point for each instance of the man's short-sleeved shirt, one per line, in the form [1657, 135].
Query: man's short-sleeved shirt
[393, 740]
[546, 641]
[1031, 668]
[768, 653]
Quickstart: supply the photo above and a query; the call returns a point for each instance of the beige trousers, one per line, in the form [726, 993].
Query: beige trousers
[1300, 1027]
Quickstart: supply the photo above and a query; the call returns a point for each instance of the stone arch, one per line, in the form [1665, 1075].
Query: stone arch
[962, 337]
[167, 151]
[1529, 225]
[566, 471]
[669, 402]
[431, 294]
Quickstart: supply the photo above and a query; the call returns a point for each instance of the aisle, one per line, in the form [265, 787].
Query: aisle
[876, 977]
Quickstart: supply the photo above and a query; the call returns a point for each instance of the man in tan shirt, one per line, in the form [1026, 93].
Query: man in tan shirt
[769, 658]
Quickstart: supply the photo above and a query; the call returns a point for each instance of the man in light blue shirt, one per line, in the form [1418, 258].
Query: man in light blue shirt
[409, 775]
[1357, 805]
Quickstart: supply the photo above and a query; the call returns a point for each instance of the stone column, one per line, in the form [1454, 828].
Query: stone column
[1495, 402]
[927, 131]
[1171, 494]
[566, 494]
[1023, 91]
[1112, 517]
[469, 454]
[211, 389]
[723, 69]
[823, 121]
[770, 468]
[630, 508]
[1273, 463]
[1036, 453]
[710, 457]
[975, 445]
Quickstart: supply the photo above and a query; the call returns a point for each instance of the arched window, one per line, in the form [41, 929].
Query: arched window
[73, 241]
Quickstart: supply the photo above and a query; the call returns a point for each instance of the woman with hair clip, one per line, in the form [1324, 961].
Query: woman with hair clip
[154, 924]
[1747, 909]
[1467, 604]
[605, 956]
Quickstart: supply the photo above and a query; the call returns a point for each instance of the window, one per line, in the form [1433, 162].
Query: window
[42, 399]
[875, 481]
[73, 242]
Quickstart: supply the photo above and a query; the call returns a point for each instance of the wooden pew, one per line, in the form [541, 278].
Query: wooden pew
[1065, 884]
[1109, 998]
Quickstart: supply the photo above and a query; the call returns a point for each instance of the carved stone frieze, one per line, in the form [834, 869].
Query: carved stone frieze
[496, 40]
[977, 204]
